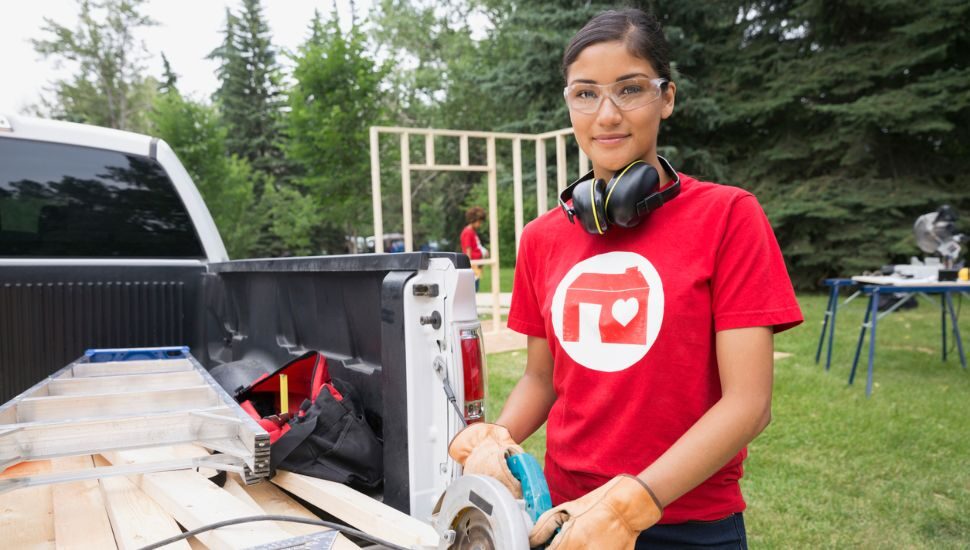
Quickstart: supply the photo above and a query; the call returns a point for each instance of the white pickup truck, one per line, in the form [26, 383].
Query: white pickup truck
[105, 242]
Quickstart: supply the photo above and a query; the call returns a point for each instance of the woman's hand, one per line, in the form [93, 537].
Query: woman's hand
[608, 518]
[481, 449]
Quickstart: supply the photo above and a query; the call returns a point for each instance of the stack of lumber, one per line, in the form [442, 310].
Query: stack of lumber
[137, 510]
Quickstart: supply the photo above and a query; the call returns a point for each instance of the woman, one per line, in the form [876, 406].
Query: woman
[650, 347]
[471, 245]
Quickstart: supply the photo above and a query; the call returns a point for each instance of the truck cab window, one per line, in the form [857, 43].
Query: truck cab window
[65, 201]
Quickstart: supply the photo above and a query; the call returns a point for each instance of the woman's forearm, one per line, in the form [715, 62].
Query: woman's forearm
[745, 366]
[708, 445]
[532, 397]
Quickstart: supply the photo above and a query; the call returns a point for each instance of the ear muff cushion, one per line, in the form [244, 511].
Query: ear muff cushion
[588, 203]
[626, 189]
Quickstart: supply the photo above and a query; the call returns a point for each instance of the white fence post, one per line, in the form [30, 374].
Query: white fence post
[493, 233]
[406, 190]
[560, 163]
[375, 189]
[542, 186]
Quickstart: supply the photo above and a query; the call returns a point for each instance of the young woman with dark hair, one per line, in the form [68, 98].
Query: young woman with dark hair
[650, 323]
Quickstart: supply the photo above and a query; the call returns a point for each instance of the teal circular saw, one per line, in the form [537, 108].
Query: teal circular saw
[479, 513]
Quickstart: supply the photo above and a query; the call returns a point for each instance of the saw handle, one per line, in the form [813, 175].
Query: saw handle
[535, 491]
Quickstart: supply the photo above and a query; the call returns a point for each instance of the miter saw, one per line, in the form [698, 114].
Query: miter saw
[936, 234]
[479, 513]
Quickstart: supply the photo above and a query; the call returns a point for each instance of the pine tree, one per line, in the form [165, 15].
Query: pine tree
[849, 121]
[249, 94]
[169, 81]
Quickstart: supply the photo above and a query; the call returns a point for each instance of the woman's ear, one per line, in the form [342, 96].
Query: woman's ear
[669, 98]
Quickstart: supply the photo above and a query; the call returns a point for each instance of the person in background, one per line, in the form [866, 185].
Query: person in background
[650, 347]
[471, 245]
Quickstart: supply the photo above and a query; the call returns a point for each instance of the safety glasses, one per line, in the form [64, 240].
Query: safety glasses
[627, 95]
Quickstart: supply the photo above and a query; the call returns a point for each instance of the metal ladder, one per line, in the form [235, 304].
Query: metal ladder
[116, 399]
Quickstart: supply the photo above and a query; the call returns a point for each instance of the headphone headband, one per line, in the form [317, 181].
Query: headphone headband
[656, 200]
[648, 204]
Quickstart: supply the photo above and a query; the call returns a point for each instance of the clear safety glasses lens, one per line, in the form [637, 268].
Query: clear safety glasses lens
[627, 94]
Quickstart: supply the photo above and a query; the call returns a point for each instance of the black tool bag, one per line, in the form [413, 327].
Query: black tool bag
[325, 433]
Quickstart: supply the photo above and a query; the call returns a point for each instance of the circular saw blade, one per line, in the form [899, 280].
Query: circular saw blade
[478, 512]
[473, 531]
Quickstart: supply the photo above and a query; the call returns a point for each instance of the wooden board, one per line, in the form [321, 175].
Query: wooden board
[194, 501]
[80, 519]
[359, 510]
[273, 500]
[136, 519]
[134, 511]
[26, 515]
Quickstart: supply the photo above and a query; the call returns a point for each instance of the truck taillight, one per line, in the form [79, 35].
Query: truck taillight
[473, 365]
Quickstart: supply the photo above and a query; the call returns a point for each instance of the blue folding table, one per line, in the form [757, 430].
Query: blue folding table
[945, 290]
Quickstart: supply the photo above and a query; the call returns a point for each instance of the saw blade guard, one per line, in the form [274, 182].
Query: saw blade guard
[479, 511]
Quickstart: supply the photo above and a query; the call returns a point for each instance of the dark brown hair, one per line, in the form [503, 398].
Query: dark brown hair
[474, 214]
[640, 31]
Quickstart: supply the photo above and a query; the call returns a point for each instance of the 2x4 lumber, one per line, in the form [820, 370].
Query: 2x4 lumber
[272, 500]
[449, 168]
[359, 510]
[80, 519]
[26, 515]
[194, 501]
[114, 368]
[375, 183]
[109, 405]
[406, 192]
[123, 382]
[136, 519]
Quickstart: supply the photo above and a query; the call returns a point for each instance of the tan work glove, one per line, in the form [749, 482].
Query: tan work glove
[481, 449]
[608, 518]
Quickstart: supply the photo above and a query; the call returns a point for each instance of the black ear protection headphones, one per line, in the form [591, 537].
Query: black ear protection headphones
[629, 196]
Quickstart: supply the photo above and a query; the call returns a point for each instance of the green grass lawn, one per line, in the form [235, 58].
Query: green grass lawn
[835, 469]
[505, 279]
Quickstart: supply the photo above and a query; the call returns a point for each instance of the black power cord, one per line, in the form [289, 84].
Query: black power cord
[294, 519]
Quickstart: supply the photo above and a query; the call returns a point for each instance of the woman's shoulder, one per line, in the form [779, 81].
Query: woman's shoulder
[712, 190]
[551, 220]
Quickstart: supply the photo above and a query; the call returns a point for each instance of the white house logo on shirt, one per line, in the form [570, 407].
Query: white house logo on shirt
[607, 310]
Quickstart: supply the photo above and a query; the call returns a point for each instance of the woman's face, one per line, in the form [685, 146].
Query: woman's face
[610, 137]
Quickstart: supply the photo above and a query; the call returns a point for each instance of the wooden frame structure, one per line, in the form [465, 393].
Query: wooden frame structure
[490, 167]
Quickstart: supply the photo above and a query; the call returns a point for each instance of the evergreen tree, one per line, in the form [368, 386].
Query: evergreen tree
[169, 81]
[249, 94]
[849, 121]
[109, 88]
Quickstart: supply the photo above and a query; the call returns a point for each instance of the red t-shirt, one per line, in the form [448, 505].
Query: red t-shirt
[469, 239]
[630, 317]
